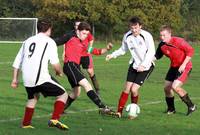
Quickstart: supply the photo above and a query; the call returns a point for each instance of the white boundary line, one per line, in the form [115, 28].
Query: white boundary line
[2, 63]
[87, 110]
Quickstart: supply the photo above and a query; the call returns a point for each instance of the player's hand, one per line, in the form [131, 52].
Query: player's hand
[108, 57]
[181, 68]
[140, 68]
[109, 46]
[59, 74]
[14, 84]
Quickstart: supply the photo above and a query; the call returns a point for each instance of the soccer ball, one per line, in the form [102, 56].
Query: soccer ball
[133, 110]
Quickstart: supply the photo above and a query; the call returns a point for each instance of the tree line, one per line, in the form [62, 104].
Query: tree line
[109, 18]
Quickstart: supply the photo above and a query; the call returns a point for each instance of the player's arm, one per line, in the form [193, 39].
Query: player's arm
[63, 53]
[16, 66]
[14, 83]
[149, 53]
[183, 65]
[121, 51]
[159, 53]
[189, 51]
[91, 43]
[91, 39]
[64, 38]
[101, 51]
[54, 60]
[57, 68]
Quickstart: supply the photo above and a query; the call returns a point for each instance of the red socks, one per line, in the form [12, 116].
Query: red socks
[122, 101]
[134, 99]
[28, 116]
[58, 110]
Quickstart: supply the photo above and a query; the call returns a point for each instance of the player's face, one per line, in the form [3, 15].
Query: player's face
[82, 35]
[135, 28]
[165, 36]
[49, 32]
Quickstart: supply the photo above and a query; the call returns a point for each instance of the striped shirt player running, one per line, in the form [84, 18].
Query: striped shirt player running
[180, 53]
[33, 58]
[141, 46]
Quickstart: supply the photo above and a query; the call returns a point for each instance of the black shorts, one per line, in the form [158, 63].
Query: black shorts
[138, 77]
[52, 88]
[172, 74]
[85, 62]
[73, 73]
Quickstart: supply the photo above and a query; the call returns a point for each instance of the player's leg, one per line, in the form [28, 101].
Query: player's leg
[87, 63]
[184, 96]
[177, 87]
[58, 110]
[90, 93]
[59, 106]
[169, 93]
[76, 91]
[92, 75]
[138, 81]
[124, 97]
[74, 75]
[131, 75]
[30, 107]
[54, 89]
[169, 97]
[93, 79]
[76, 78]
[135, 93]
[103, 109]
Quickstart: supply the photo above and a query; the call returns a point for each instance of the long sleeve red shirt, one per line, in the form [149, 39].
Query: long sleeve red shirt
[176, 50]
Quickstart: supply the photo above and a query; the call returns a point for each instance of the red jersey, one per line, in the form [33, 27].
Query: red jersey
[73, 50]
[176, 50]
[86, 43]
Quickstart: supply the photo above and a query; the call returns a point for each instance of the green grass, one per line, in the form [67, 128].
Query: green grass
[83, 117]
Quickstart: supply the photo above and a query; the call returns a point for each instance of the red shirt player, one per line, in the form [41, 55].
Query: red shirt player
[74, 49]
[180, 53]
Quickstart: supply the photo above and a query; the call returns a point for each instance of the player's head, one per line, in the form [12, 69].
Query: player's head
[44, 26]
[76, 23]
[135, 25]
[165, 33]
[83, 30]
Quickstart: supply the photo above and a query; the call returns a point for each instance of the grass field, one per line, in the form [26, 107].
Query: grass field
[83, 117]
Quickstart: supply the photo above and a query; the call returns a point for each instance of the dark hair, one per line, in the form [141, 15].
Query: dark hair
[43, 25]
[84, 26]
[135, 20]
[166, 27]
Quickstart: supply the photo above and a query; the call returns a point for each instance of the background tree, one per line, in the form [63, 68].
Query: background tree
[191, 30]
[109, 18]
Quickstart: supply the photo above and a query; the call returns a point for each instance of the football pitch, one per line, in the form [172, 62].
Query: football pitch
[82, 117]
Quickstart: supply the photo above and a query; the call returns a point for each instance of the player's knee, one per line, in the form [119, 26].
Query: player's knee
[31, 103]
[167, 88]
[63, 97]
[175, 87]
[90, 72]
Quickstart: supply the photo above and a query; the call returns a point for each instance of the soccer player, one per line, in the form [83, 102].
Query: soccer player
[86, 58]
[141, 46]
[73, 53]
[33, 58]
[180, 53]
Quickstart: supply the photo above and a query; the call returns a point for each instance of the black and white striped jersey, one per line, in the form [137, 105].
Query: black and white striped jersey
[141, 47]
[33, 58]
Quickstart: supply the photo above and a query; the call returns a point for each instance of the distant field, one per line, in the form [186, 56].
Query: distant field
[83, 117]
